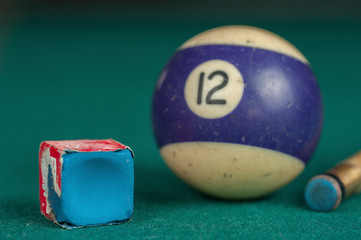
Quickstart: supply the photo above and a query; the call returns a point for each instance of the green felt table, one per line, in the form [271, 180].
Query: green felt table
[70, 73]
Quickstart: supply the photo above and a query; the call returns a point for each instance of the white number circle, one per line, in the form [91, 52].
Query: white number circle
[213, 89]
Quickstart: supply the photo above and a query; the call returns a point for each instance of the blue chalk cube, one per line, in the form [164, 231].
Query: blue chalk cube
[86, 188]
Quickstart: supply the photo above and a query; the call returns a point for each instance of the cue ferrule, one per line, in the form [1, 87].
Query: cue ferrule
[348, 172]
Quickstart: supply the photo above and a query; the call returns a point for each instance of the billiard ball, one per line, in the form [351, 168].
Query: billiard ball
[237, 112]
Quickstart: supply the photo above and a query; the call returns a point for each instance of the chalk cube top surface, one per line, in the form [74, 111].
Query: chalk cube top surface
[87, 145]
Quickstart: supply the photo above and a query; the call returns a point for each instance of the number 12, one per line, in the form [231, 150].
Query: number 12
[209, 99]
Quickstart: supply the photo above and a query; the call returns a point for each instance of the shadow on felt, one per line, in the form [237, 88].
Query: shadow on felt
[157, 188]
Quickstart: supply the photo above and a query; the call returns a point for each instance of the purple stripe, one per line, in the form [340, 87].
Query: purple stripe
[267, 116]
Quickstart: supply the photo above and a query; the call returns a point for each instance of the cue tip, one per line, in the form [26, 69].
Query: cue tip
[323, 193]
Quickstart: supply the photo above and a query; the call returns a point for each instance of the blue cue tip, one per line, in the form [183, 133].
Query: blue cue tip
[323, 193]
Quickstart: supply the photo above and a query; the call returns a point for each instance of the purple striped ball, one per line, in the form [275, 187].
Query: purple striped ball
[237, 112]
